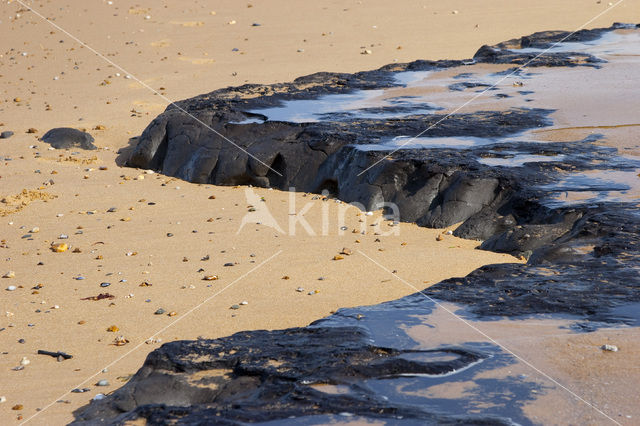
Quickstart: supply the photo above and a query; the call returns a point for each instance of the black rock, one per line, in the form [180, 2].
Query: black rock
[6, 134]
[262, 375]
[66, 138]
[583, 260]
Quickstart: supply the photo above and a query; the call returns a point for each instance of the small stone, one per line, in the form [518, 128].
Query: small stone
[102, 383]
[120, 341]
[244, 302]
[99, 127]
[210, 277]
[105, 284]
[98, 397]
[113, 329]
[3, 399]
[25, 361]
[34, 230]
[17, 407]
[229, 264]
[59, 247]
[346, 251]
[439, 238]
[9, 274]
[235, 307]
[609, 348]
[32, 130]
[212, 197]
[11, 288]
[338, 257]
[172, 314]
[160, 311]
[366, 52]
[6, 134]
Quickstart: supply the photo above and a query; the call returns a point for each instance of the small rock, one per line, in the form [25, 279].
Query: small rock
[610, 348]
[11, 288]
[9, 274]
[105, 284]
[235, 307]
[6, 134]
[160, 311]
[98, 397]
[65, 137]
[102, 383]
[59, 247]
[25, 361]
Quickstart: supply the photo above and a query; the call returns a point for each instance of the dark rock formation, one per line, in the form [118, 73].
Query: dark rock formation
[260, 376]
[66, 138]
[583, 260]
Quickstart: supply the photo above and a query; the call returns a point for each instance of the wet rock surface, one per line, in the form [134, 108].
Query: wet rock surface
[66, 137]
[261, 376]
[583, 258]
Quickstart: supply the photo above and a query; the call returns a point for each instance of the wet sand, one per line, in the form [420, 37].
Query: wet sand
[48, 80]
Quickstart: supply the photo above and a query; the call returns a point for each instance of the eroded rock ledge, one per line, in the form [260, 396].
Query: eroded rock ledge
[583, 259]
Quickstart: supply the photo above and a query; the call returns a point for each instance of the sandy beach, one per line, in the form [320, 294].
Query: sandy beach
[149, 258]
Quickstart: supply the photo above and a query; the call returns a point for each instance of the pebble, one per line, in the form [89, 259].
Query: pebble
[9, 274]
[160, 311]
[11, 288]
[102, 383]
[25, 361]
[299, 289]
[3, 399]
[98, 397]
[610, 348]
[105, 284]
[59, 248]
[210, 277]
[439, 238]
[235, 307]
[6, 134]
[78, 390]
[34, 230]
[244, 302]
[229, 264]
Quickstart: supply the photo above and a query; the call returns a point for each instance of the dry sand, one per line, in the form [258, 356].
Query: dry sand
[49, 80]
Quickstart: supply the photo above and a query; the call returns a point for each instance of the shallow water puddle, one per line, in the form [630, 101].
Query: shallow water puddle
[509, 385]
